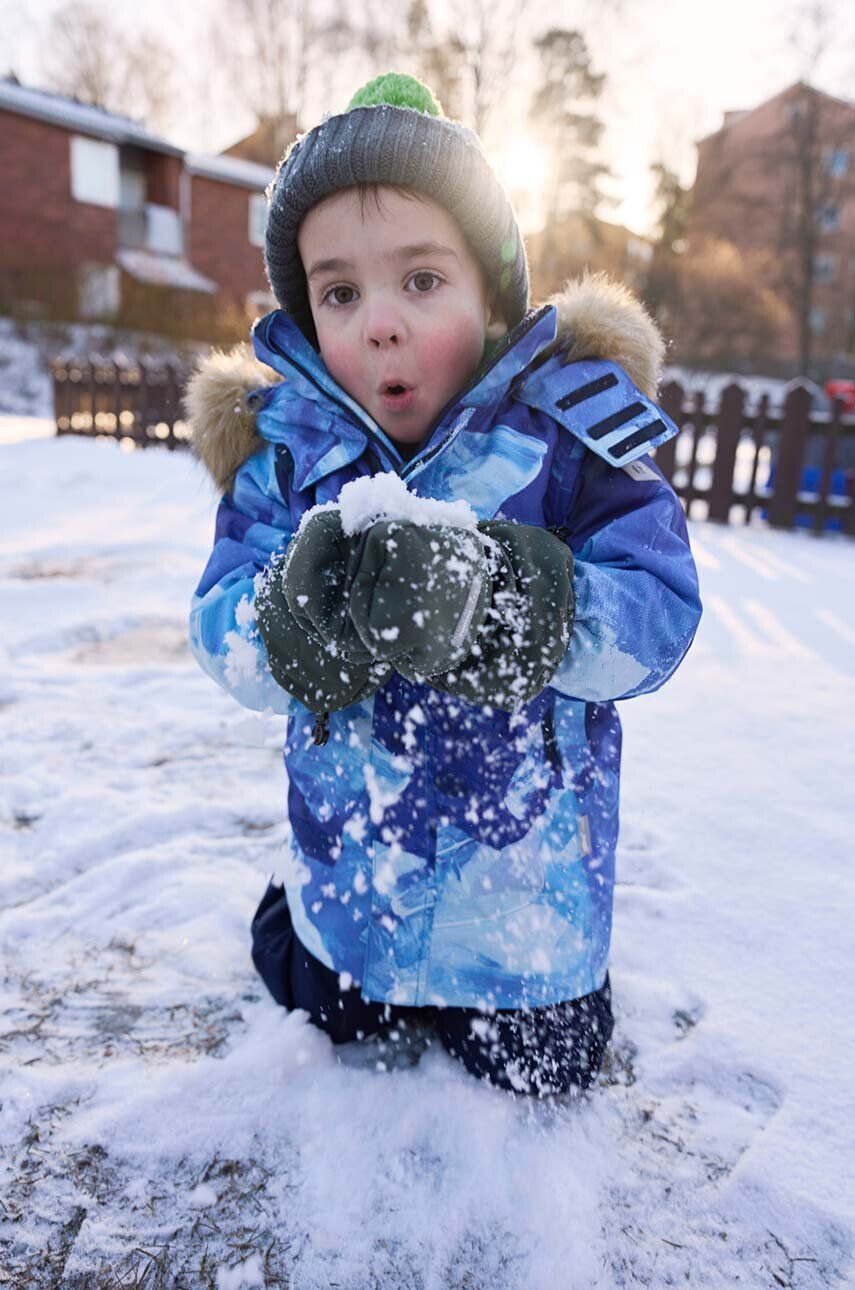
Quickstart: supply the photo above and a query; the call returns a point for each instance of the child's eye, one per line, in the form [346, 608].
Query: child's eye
[424, 280]
[339, 295]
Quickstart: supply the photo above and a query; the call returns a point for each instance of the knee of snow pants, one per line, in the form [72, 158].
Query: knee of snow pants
[540, 1051]
[296, 979]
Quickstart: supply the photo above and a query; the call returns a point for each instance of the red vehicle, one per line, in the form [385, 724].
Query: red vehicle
[844, 390]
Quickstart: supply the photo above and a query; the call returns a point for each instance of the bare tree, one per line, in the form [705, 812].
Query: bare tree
[562, 118]
[440, 60]
[271, 51]
[90, 57]
[672, 200]
[722, 313]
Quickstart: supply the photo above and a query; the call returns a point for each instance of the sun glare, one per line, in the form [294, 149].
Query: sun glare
[523, 165]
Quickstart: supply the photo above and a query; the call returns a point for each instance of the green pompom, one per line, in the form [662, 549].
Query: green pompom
[398, 90]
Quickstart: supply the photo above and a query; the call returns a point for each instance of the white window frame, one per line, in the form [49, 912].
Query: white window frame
[257, 218]
[94, 171]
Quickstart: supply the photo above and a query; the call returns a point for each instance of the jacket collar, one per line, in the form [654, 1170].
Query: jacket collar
[279, 343]
[597, 319]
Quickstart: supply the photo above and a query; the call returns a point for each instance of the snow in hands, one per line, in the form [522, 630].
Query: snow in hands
[385, 496]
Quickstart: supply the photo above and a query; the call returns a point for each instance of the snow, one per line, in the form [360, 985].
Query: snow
[161, 1114]
[371, 498]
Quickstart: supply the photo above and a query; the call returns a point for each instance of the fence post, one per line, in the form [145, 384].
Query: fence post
[828, 458]
[728, 433]
[671, 402]
[61, 401]
[791, 451]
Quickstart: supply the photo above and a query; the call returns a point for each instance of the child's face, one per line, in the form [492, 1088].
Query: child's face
[398, 300]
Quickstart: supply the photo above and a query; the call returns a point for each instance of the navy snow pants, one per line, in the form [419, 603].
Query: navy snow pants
[542, 1051]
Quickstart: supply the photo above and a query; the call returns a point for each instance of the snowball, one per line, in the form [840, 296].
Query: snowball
[370, 498]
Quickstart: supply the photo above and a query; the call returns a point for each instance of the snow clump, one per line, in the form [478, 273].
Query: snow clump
[385, 496]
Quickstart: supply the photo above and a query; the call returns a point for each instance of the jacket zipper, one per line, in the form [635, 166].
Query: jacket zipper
[550, 743]
[320, 730]
[521, 329]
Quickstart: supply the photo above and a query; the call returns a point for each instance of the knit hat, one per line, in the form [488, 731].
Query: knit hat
[393, 132]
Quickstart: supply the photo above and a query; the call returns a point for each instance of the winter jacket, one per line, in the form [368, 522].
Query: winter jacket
[442, 853]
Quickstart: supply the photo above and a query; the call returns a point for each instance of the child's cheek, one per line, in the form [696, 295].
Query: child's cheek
[342, 362]
[455, 350]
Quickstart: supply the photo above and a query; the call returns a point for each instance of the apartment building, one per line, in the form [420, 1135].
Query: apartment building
[779, 182]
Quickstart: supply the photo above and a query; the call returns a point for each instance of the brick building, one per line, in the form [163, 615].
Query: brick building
[101, 220]
[779, 182]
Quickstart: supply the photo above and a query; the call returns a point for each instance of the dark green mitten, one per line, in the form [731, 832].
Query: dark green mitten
[316, 578]
[528, 626]
[419, 594]
[301, 610]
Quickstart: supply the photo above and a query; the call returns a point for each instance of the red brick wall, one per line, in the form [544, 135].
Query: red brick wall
[40, 222]
[218, 243]
[163, 179]
[44, 233]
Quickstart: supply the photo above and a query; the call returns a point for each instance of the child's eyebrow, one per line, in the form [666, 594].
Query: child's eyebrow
[412, 252]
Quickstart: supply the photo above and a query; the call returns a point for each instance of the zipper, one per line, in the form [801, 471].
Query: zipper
[550, 743]
[406, 468]
[366, 425]
[320, 730]
[521, 329]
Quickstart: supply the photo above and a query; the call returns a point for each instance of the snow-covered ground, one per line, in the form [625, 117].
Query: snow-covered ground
[165, 1124]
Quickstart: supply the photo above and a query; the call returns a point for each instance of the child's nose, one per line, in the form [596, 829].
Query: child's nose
[384, 326]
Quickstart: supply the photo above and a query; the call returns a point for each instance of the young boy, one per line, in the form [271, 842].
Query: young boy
[452, 746]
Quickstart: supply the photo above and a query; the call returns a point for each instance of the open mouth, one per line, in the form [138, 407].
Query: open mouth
[396, 395]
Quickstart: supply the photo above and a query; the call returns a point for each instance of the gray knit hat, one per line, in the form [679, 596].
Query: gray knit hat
[393, 133]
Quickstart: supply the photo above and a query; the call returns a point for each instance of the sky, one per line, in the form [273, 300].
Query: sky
[673, 68]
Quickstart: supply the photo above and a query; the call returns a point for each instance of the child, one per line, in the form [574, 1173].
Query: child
[448, 653]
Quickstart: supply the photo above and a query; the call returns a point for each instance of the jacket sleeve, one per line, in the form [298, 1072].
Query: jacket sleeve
[635, 583]
[253, 521]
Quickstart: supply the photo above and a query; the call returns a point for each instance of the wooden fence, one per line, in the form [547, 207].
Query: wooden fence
[788, 466]
[136, 403]
[736, 462]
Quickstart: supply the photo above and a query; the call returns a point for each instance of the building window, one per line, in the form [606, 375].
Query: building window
[132, 186]
[829, 219]
[163, 230]
[837, 162]
[817, 320]
[94, 171]
[824, 267]
[98, 290]
[257, 218]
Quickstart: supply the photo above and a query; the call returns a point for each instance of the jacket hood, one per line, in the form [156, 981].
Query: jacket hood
[595, 316]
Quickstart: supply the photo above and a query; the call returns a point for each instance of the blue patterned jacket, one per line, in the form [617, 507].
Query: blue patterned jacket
[442, 853]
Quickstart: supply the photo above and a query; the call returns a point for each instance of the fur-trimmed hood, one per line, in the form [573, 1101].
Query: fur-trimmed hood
[597, 318]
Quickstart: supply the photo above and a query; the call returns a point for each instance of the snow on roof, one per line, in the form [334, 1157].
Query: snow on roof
[712, 384]
[59, 110]
[163, 270]
[232, 170]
